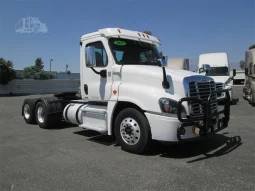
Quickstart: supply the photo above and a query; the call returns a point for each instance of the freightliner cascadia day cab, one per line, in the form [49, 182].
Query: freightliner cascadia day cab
[127, 92]
[219, 71]
[249, 84]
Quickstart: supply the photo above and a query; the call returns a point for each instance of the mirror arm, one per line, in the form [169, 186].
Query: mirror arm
[95, 70]
[102, 73]
[165, 83]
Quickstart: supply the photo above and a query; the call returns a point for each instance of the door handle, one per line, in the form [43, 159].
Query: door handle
[86, 89]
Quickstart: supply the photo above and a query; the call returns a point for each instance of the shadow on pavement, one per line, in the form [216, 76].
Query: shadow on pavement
[212, 146]
[94, 136]
[63, 125]
[234, 101]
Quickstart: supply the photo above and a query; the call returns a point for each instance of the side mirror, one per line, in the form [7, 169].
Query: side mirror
[90, 56]
[206, 67]
[246, 71]
[234, 72]
[162, 62]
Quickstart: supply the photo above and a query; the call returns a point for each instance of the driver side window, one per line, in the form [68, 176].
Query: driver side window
[100, 53]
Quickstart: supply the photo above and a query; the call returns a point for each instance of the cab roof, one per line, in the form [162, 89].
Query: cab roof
[123, 33]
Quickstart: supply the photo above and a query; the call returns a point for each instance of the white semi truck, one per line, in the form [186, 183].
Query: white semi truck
[249, 85]
[219, 71]
[127, 92]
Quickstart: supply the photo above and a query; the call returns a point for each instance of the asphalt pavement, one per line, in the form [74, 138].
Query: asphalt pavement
[70, 158]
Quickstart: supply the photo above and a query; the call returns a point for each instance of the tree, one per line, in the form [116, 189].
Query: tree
[7, 73]
[39, 64]
[30, 71]
[45, 75]
[68, 72]
[242, 64]
[252, 46]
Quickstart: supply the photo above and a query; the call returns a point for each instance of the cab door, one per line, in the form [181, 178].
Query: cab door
[96, 87]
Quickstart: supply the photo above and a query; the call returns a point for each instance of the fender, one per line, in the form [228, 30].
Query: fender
[52, 105]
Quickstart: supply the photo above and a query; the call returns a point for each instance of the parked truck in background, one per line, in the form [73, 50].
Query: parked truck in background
[179, 63]
[249, 84]
[127, 92]
[219, 71]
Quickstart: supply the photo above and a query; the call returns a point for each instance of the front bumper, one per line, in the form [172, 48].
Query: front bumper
[170, 129]
[209, 122]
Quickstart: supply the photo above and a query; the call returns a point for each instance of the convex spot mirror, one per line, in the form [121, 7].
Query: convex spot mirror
[90, 56]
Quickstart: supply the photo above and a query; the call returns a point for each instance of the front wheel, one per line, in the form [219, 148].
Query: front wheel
[132, 131]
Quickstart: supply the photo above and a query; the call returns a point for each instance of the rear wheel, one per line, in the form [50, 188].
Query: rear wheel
[44, 120]
[28, 113]
[132, 131]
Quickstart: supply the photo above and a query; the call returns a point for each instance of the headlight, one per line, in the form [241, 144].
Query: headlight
[227, 84]
[169, 106]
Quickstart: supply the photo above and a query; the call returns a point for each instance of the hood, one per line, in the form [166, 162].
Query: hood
[157, 72]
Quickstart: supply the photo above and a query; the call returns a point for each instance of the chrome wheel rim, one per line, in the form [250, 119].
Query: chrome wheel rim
[26, 111]
[40, 114]
[130, 131]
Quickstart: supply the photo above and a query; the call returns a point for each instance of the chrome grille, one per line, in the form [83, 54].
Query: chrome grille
[219, 86]
[202, 90]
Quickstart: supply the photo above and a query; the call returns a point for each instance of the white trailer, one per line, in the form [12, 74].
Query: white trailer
[127, 92]
[219, 71]
[179, 63]
[249, 85]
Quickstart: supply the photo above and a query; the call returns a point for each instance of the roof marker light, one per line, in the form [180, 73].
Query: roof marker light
[143, 35]
[139, 34]
[148, 36]
[119, 30]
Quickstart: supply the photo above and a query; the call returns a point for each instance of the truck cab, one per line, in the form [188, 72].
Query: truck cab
[127, 92]
[219, 70]
[249, 84]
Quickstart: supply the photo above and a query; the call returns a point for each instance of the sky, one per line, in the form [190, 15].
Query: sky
[186, 28]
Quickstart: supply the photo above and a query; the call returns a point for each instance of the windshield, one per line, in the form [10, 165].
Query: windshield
[134, 52]
[217, 71]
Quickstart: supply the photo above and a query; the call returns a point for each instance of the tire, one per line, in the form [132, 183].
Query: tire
[44, 120]
[136, 135]
[252, 100]
[28, 113]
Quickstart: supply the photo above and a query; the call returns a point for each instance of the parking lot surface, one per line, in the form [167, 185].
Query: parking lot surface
[71, 158]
